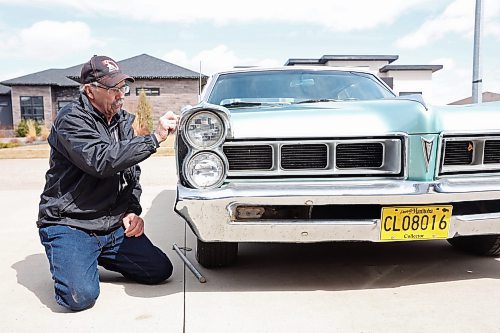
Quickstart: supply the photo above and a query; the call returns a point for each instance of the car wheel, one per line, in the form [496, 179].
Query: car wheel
[216, 254]
[487, 245]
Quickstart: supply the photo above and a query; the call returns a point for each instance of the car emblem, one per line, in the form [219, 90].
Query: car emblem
[427, 147]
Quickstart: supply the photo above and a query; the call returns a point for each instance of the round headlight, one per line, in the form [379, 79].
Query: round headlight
[204, 130]
[205, 170]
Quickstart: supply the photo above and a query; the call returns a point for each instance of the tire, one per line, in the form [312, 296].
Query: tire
[216, 254]
[487, 245]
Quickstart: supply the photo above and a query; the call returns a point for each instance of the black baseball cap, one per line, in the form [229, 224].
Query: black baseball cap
[103, 70]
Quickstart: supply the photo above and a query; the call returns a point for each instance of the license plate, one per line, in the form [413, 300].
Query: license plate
[415, 223]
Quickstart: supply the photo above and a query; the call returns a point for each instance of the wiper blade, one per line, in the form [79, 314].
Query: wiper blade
[236, 104]
[317, 100]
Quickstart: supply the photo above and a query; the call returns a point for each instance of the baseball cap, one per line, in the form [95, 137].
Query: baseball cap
[103, 70]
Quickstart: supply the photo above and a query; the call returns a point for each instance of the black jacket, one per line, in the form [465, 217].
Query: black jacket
[93, 179]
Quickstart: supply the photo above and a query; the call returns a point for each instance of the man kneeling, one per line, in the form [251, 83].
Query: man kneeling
[89, 210]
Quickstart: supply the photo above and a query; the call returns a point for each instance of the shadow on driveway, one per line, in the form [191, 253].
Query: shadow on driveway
[345, 266]
[33, 272]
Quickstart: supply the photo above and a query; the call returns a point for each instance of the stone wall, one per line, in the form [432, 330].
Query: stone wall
[63, 94]
[174, 94]
[44, 91]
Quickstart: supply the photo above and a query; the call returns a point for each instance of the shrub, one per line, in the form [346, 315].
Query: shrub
[8, 144]
[25, 125]
[44, 132]
[22, 128]
[143, 123]
[32, 132]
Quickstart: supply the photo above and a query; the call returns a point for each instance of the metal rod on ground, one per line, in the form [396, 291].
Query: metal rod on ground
[193, 269]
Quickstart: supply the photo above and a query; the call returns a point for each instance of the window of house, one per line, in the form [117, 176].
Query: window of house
[148, 91]
[32, 107]
[61, 104]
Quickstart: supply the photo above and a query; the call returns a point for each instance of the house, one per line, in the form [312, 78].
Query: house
[40, 95]
[487, 97]
[403, 79]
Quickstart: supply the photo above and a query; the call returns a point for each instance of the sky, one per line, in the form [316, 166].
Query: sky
[40, 34]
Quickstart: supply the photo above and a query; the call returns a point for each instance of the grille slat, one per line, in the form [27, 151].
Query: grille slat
[313, 156]
[458, 153]
[492, 151]
[258, 157]
[359, 155]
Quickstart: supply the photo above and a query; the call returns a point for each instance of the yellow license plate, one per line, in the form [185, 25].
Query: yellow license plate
[415, 223]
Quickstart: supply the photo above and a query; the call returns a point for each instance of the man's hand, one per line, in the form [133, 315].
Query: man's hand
[134, 225]
[166, 124]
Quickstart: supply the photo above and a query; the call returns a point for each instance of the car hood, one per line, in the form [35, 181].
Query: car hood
[358, 118]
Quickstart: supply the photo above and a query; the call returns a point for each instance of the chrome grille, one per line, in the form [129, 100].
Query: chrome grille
[458, 153]
[296, 157]
[258, 157]
[470, 154]
[359, 155]
[324, 157]
[492, 151]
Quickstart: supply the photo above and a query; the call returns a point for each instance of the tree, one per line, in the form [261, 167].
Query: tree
[143, 123]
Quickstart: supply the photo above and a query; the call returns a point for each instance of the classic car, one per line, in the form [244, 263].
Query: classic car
[321, 154]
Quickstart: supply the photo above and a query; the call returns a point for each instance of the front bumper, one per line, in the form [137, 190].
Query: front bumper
[210, 213]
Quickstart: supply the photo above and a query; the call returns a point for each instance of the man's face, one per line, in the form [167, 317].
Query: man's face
[107, 100]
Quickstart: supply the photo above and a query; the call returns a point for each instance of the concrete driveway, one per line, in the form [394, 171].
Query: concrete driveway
[337, 287]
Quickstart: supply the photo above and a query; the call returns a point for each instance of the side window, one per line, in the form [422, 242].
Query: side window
[32, 107]
[61, 104]
[147, 91]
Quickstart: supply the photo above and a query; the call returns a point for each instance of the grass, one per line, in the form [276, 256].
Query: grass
[43, 150]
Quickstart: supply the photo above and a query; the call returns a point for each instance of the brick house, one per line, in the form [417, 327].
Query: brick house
[40, 95]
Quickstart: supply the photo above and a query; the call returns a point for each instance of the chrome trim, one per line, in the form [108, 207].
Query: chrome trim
[220, 111]
[209, 212]
[392, 158]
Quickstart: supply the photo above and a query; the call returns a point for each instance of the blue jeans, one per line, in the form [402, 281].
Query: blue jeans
[74, 255]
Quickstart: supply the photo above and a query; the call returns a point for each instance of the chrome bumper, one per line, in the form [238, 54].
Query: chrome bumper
[208, 212]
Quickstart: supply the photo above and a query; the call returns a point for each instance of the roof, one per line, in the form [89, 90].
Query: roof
[145, 66]
[142, 66]
[432, 68]
[51, 77]
[324, 59]
[487, 97]
[4, 90]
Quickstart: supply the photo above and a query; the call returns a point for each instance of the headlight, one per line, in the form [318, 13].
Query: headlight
[204, 130]
[205, 170]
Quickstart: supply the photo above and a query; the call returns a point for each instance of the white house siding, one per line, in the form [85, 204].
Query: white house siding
[372, 66]
[413, 81]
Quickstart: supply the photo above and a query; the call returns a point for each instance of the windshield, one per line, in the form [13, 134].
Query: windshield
[295, 86]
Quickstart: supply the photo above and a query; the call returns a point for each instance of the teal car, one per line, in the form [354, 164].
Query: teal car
[320, 154]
